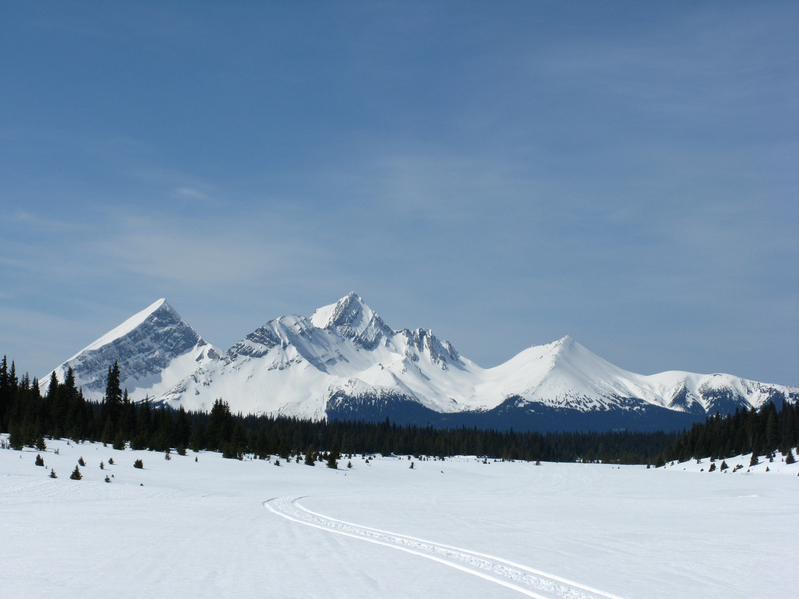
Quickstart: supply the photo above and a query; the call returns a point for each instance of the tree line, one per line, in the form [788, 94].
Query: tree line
[759, 432]
[63, 412]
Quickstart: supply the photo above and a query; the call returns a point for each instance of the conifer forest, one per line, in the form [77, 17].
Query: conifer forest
[63, 412]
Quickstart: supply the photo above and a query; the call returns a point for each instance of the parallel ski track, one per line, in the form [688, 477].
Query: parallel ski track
[527, 581]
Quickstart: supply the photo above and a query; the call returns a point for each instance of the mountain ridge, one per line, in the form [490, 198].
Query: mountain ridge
[345, 361]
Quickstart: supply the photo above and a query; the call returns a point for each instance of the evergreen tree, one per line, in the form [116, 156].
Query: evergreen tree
[16, 437]
[69, 381]
[144, 425]
[108, 431]
[76, 475]
[12, 379]
[309, 456]
[283, 449]
[220, 425]
[113, 393]
[333, 456]
[5, 394]
[772, 439]
[127, 418]
[198, 438]
[52, 473]
[182, 429]
[53, 388]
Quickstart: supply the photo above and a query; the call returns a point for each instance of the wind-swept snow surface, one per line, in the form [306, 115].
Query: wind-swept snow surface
[186, 528]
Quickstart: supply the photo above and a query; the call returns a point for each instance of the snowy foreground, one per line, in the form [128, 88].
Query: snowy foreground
[460, 528]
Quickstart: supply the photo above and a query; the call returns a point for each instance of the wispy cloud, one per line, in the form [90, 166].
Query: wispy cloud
[186, 192]
[198, 253]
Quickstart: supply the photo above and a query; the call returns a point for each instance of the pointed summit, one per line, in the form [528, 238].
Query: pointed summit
[352, 319]
[327, 316]
[157, 310]
[154, 348]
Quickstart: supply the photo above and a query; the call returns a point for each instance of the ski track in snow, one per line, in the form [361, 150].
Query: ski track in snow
[508, 574]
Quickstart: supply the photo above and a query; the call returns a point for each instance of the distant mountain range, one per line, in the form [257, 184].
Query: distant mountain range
[344, 362]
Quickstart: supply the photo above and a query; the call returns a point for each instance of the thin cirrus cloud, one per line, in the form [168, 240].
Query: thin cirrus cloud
[186, 192]
[199, 252]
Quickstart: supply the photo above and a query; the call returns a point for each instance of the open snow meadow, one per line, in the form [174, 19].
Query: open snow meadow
[202, 526]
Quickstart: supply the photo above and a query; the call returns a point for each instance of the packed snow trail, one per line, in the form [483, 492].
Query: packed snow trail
[508, 574]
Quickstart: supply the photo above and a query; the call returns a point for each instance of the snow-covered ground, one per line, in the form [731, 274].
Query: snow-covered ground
[460, 528]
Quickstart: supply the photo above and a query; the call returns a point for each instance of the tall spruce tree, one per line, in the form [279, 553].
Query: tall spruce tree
[113, 395]
[52, 389]
[220, 425]
[8, 392]
[69, 381]
[5, 394]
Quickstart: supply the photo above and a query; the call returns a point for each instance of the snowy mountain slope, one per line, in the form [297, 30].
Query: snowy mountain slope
[293, 365]
[155, 349]
[344, 361]
[567, 375]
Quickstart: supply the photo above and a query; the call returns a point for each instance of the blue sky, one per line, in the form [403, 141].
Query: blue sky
[503, 173]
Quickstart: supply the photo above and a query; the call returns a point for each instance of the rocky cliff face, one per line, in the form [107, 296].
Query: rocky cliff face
[155, 349]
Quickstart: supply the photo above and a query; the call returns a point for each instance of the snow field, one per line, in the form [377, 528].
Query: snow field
[519, 578]
[201, 529]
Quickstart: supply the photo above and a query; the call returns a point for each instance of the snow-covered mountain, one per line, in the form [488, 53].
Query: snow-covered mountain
[155, 350]
[346, 362]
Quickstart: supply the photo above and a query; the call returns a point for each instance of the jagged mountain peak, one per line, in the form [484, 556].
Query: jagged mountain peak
[283, 331]
[352, 319]
[344, 361]
[425, 342]
[148, 347]
[158, 310]
[340, 312]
